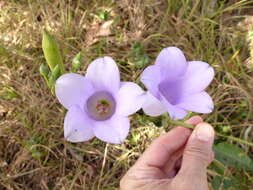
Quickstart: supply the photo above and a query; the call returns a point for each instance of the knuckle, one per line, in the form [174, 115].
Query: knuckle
[197, 152]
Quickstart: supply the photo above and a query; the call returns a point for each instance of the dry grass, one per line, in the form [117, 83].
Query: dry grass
[33, 153]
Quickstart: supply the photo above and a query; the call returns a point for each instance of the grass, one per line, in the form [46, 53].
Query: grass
[33, 152]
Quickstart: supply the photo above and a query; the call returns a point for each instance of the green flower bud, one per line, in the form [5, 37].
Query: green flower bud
[52, 52]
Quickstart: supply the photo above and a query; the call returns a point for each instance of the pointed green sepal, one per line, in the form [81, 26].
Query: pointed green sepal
[44, 71]
[76, 62]
[53, 76]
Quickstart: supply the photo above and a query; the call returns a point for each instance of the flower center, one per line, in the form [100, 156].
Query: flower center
[101, 106]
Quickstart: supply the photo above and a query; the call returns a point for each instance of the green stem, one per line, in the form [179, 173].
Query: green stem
[235, 139]
[189, 126]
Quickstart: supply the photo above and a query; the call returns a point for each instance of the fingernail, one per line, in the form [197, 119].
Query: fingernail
[204, 132]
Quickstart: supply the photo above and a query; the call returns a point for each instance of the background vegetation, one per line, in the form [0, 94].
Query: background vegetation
[33, 152]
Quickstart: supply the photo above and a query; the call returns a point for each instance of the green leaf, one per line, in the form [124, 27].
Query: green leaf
[220, 182]
[76, 62]
[53, 76]
[52, 52]
[218, 167]
[233, 156]
[56, 73]
[45, 72]
[216, 182]
[137, 49]
[142, 62]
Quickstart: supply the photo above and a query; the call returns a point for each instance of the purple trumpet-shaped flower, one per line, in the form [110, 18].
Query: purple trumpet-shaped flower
[98, 103]
[176, 85]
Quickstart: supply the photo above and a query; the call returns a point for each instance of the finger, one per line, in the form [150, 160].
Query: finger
[173, 158]
[148, 167]
[172, 172]
[198, 151]
[161, 150]
[176, 168]
[170, 168]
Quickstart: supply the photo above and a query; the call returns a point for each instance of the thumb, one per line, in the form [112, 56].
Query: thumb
[198, 151]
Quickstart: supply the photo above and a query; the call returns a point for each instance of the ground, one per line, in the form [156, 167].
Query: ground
[33, 152]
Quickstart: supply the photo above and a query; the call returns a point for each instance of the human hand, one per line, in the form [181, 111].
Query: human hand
[176, 160]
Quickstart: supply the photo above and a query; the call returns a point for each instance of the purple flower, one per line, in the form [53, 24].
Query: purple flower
[177, 86]
[98, 103]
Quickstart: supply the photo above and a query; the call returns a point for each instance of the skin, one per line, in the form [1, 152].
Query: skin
[176, 160]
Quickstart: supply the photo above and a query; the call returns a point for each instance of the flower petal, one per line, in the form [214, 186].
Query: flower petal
[130, 99]
[172, 62]
[151, 77]
[72, 89]
[199, 102]
[174, 111]
[77, 125]
[197, 77]
[152, 106]
[113, 130]
[104, 74]
[171, 91]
